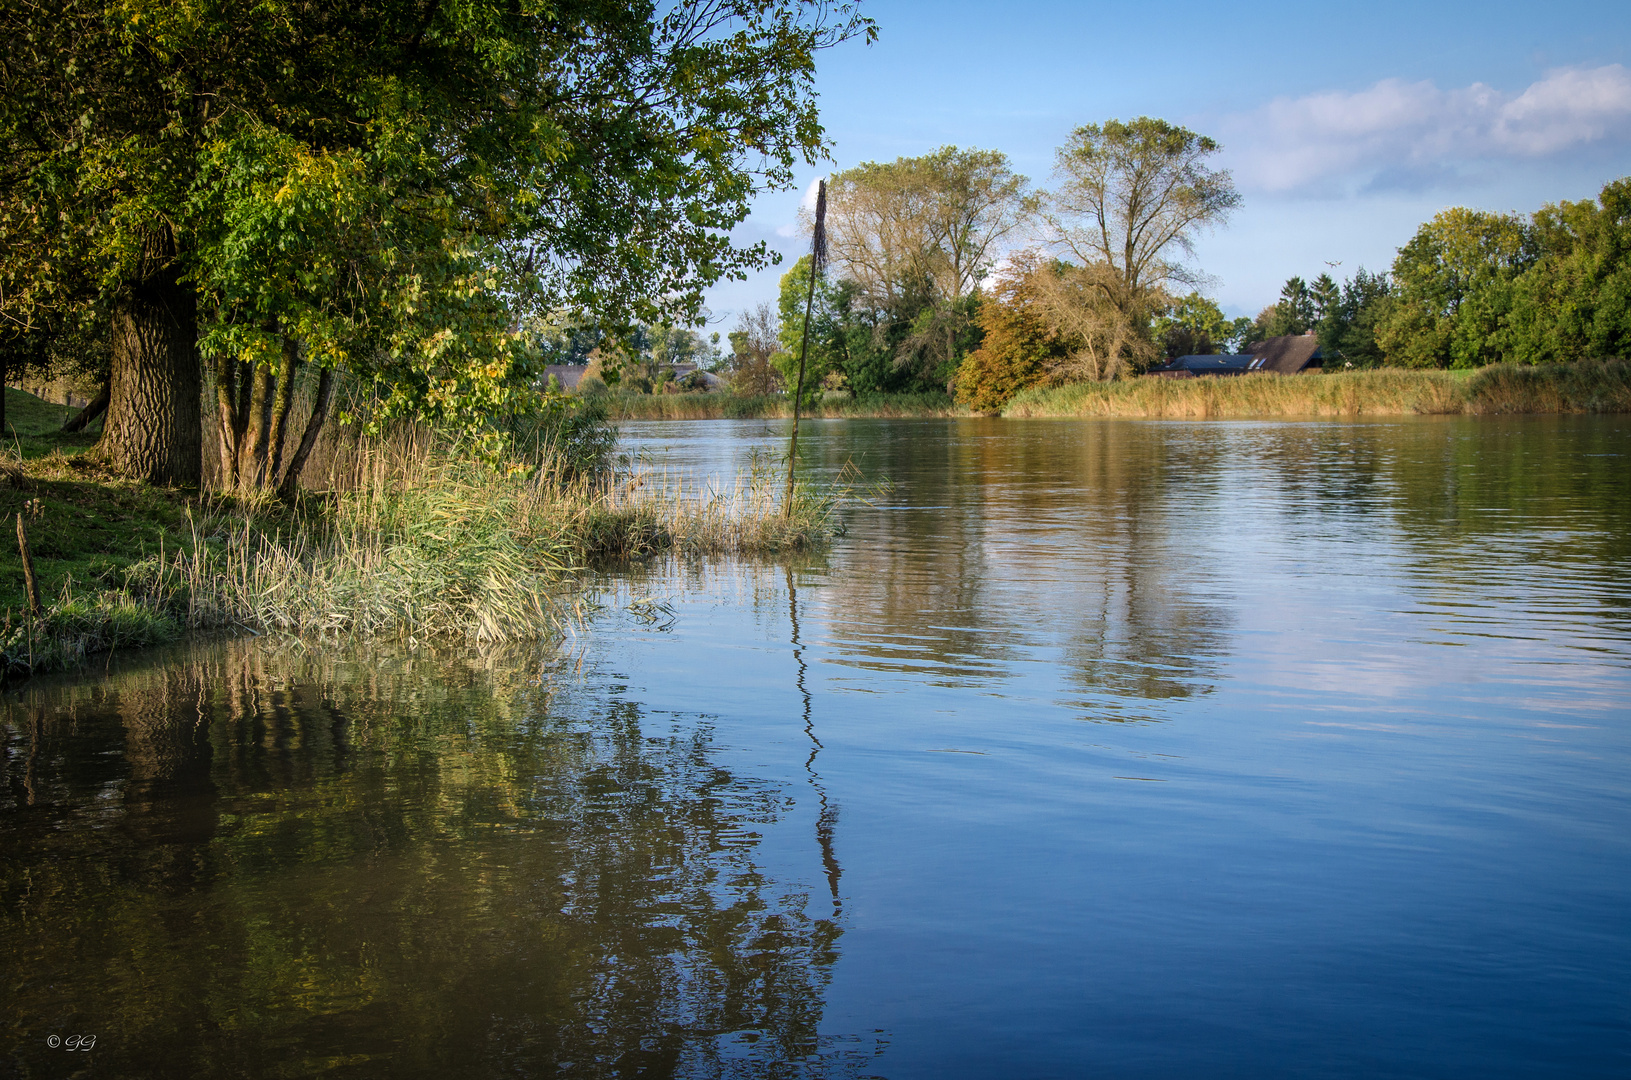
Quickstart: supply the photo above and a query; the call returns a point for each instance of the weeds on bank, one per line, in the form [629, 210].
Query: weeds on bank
[414, 540]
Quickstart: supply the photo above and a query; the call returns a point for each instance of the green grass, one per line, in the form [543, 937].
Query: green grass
[1586, 386]
[84, 524]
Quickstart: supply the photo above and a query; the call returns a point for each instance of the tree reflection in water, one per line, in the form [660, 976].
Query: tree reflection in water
[1004, 544]
[239, 861]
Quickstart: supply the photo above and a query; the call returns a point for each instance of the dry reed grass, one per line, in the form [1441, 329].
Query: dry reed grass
[1587, 386]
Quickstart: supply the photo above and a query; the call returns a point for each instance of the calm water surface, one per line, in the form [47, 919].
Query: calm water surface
[1109, 749]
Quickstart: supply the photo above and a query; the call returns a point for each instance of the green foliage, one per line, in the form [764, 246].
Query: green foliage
[1575, 300]
[1347, 326]
[398, 185]
[1453, 289]
[1474, 288]
[1194, 325]
[878, 350]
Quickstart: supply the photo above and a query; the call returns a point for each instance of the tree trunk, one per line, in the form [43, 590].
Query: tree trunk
[282, 401]
[258, 418]
[153, 430]
[319, 413]
[227, 420]
[96, 408]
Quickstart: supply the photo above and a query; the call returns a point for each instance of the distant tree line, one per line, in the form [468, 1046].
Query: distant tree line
[951, 272]
[1473, 288]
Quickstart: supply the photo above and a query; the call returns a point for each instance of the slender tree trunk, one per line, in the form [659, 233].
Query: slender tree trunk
[97, 407]
[153, 428]
[3, 374]
[257, 436]
[227, 417]
[281, 404]
[319, 413]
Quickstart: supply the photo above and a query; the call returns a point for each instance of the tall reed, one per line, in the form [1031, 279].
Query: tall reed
[415, 539]
[1587, 386]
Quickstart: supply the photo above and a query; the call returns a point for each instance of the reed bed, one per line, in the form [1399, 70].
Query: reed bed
[1586, 386]
[774, 406]
[417, 541]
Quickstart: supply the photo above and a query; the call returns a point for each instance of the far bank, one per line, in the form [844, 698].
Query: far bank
[1584, 387]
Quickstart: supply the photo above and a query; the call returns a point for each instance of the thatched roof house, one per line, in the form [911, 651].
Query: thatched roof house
[1286, 355]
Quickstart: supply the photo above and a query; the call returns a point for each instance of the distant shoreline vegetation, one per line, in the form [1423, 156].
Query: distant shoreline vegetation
[1584, 387]
[728, 406]
[1587, 386]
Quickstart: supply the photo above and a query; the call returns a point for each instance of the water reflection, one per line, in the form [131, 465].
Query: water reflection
[239, 862]
[827, 816]
[1127, 556]
[1376, 819]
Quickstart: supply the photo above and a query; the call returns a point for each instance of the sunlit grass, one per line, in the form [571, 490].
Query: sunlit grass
[1588, 386]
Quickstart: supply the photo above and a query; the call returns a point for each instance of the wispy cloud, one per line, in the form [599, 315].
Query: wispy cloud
[1399, 134]
[807, 203]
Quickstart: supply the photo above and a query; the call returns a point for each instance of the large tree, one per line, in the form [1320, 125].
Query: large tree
[1129, 202]
[1574, 302]
[755, 340]
[1453, 289]
[915, 237]
[384, 187]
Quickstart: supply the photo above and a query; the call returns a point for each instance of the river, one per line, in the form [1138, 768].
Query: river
[1093, 748]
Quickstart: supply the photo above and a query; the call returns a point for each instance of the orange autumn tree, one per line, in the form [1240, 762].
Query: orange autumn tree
[1020, 346]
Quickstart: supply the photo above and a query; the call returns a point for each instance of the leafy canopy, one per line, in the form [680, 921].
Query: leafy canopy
[398, 184]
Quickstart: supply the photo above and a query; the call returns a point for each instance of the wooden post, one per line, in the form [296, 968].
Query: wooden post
[33, 583]
[798, 397]
[818, 259]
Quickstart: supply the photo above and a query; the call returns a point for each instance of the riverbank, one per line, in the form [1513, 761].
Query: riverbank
[1584, 387]
[422, 542]
[727, 406]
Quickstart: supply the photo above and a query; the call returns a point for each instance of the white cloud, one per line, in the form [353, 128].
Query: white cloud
[807, 205]
[1414, 135]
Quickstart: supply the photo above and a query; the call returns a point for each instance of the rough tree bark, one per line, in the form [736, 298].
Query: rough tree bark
[229, 429]
[153, 427]
[258, 418]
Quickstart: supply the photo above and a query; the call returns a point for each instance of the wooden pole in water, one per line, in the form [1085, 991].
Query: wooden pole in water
[818, 259]
[32, 582]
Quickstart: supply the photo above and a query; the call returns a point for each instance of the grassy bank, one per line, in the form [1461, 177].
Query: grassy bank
[1587, 386]
[773, 406]
[420, 541]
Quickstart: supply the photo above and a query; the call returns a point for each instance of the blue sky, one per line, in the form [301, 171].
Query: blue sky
[1345, 125]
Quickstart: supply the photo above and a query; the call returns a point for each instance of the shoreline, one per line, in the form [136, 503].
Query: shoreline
[1498, 390]
[1586, 386]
